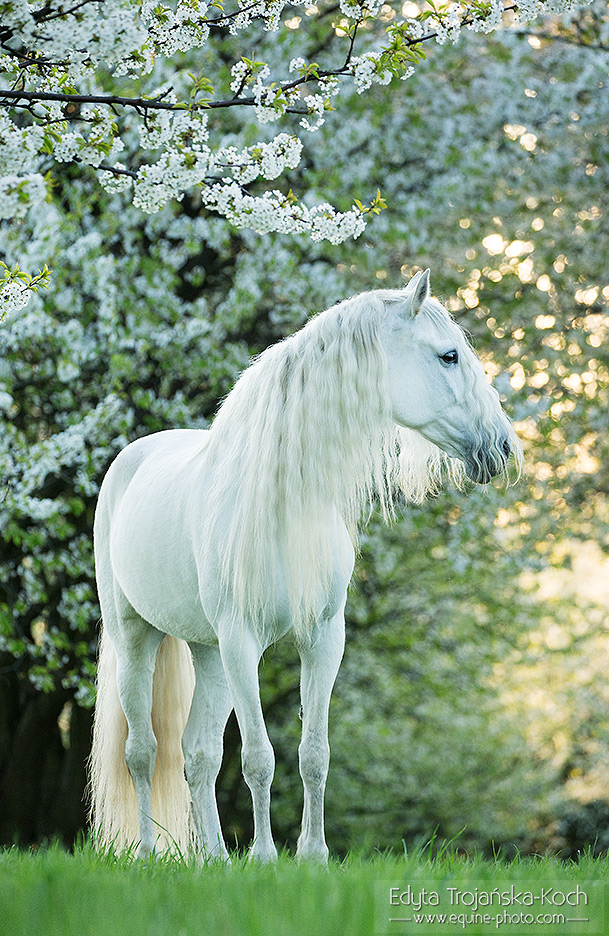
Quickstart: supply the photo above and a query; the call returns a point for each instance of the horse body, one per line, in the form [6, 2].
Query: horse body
[228, 539]
[142, 520]
[149, 515]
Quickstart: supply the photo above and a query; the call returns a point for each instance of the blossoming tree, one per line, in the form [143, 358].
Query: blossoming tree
[107, 83]
[492, 159]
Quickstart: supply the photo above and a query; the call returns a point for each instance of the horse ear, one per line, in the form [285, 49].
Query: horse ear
[417, 290]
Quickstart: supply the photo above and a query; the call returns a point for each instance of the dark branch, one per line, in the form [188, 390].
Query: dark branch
[116, 171]
[40, 16]
[351, 44]
[138, 103]
[228, 16]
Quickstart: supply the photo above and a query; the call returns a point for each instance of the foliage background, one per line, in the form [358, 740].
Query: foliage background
[473, 697]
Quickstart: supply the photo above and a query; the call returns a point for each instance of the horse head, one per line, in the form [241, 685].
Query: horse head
[437, 385]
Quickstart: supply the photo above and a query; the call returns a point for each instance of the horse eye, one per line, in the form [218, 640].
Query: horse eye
[451, 357]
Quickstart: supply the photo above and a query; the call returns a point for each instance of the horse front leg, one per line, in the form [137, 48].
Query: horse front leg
[241, 654]
[320, 664]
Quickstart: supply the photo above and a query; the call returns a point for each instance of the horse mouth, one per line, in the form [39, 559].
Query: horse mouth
[484, 465]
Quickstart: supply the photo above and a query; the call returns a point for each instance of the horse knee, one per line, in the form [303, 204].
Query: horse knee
[202, 764]
[314, 761]
[258, 763]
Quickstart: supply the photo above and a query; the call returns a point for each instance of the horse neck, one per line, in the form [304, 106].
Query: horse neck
[304, 427]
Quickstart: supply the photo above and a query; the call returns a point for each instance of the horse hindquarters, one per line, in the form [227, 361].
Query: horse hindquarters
[114, 804]
[141, 710]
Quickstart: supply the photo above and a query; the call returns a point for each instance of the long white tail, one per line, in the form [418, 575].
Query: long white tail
[113, 807]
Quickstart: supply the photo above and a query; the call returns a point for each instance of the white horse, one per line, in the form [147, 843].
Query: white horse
[227, 539]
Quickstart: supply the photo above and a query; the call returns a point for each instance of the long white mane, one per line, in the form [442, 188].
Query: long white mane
[306, 434]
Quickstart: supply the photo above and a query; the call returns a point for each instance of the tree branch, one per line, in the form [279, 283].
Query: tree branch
[7, 96]
[116, 171]
[14, 97]
[40, 17]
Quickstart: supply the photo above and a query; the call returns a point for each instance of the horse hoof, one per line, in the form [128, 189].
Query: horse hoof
[263, 855]
[321, 860]
[146, 851]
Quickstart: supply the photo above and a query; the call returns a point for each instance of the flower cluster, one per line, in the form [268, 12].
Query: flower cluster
[93, 146]
[175, 129]
[17, 287]
[268, 160]
[487, 23]
[13, 297]
[108, 34]
[19, 193]
[176, 31]
[316, 104]
[240, 72]
[169, 178]
[528, 10]
[335, 226]
[18, 146]
[115, 181]
[273, 211]
[411, 28]
[448, 28]
[367, 70]
[297, 64]
[270, 102]
[360, 9]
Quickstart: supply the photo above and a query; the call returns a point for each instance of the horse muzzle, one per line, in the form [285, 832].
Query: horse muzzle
[484, 464]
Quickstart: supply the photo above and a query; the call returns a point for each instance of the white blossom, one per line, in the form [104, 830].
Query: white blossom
[268, 160]
[169, 178]
[364, 69]
[270, 103]
[316, 105]
[19, 193]
[359, 9]
[18, 146]
[329, 86]
[13, 297]
[448, 28]
[179, 30]
[113, 182]
[274, 212]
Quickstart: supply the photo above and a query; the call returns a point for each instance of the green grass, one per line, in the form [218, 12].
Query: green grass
[53, 893]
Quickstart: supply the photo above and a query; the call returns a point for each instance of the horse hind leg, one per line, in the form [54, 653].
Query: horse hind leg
[136, 654]
[202, 744]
